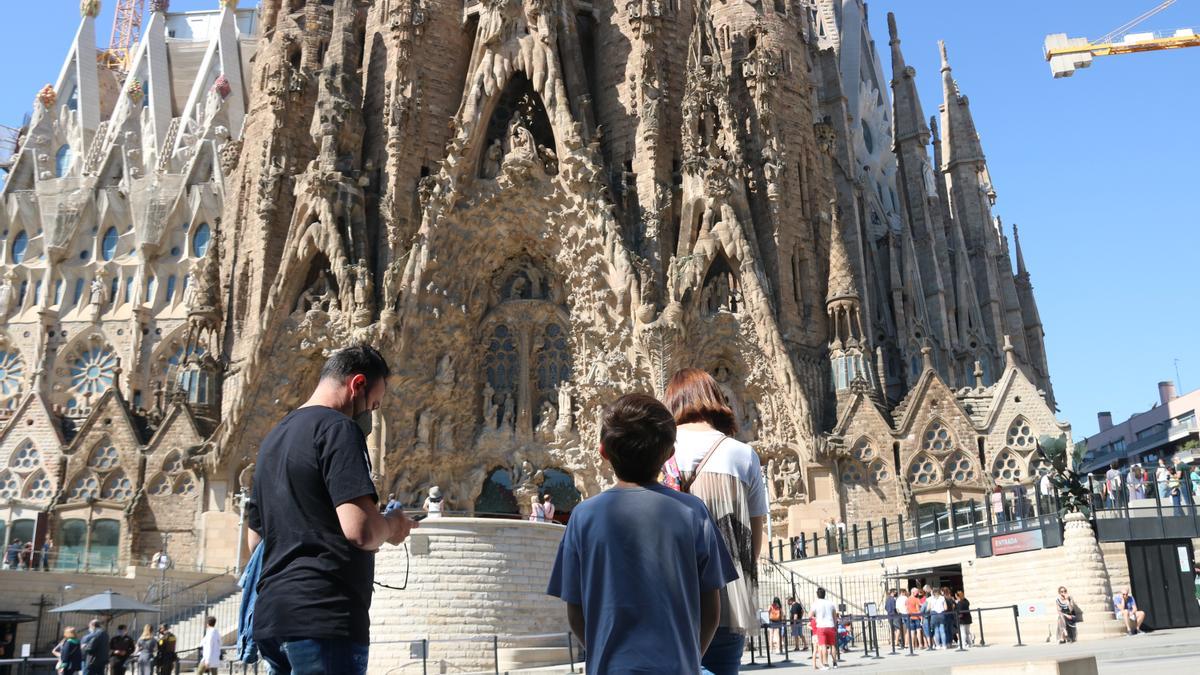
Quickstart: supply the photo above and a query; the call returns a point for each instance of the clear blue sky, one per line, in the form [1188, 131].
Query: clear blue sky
[1097, 169]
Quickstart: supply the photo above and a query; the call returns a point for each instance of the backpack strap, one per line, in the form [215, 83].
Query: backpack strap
[685, 481]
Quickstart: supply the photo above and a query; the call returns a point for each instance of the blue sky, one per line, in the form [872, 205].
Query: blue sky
[1098, 170]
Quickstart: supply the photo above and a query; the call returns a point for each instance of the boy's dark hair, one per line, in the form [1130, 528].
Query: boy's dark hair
[357, 359]
[820, 592]
[211, 621]
[638, 434]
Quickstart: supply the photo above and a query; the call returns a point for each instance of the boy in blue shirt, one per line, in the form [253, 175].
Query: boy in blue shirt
[641, 565]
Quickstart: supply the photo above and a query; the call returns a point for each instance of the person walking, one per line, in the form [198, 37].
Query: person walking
[775, 627]
[935, 607]
[1162, 476]
[1068, 615]
[916, 634]
[120, 647]
[315, 509]
[963, 607]
[727, 476]
[950, 615]
[210, 649]
[825, 620]
[144, 650]
[69, 653]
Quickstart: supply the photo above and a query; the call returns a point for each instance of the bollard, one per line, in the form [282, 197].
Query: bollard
[982, 642]
[958, 629]
[911, 651]
[752, 650]
[425, 656]
[866, 643]
[1017, 625]
[767, 645]
[783, 636]
[875, 636]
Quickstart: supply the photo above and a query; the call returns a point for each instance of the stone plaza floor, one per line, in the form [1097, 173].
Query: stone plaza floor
[1173, 650]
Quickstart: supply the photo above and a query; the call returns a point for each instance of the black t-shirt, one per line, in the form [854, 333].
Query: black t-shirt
[314, 583]
[964, 610]
[796, 612]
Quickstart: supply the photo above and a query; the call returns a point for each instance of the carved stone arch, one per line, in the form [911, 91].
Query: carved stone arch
[12, 371]
[880, 471]
[924, 471]
[117, 487]
[937, 438]
[185, 485]
[960, 468]
[82, 486]
[320, 289]
[38, 487]
[159, 486]
[518, 104]
[85, 367]
[721, 287]
[103, 456]
[1008, 468]
[1019, 435]
[173, 463]
[10, 485]
[497, 493]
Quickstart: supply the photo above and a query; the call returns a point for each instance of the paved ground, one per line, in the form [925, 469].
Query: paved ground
[1171, 650]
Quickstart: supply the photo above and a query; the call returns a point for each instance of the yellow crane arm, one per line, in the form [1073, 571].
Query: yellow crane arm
[1066, 55]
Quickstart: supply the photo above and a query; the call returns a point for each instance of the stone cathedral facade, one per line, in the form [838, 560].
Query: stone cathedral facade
[531, 206]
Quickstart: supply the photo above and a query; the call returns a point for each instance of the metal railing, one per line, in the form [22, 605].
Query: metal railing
[1145, 511]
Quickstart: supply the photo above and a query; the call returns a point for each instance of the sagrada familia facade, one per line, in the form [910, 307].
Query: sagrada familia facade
[531, 206]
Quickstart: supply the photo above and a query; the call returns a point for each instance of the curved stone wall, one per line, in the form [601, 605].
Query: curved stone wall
[468, 578]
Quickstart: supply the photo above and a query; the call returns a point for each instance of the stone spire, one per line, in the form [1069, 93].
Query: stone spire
[1031, 321]
[841, 275]
[849, 353]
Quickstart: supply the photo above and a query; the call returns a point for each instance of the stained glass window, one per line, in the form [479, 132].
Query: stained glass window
[84, 487]
[92, 371]
[20, 246]
[200, 240]
[10, 486]
[62, 161]
[1020, 436]
[12, 372]
[26, 458]
[103, 458]
[923, 471]
[108, 245]
[960, 469]
[937, 438]
[1008, 467]
[39, 487]
[117, 487]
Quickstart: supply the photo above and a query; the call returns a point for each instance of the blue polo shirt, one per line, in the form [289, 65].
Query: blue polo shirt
[636, 560]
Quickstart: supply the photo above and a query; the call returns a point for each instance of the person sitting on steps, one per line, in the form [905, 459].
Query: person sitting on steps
[1125, 608]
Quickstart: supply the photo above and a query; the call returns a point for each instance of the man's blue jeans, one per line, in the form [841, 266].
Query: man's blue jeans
[724, 655]
[314, 657]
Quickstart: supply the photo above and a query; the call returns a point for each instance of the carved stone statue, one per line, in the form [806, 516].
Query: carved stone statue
[522, 151]
[566, 416]
[492, 159]
[425, 427]
[445, 370]
[97, 296]
[490, 410]
[548, 419]
[7, 294]
[362, 284]
[508, 415]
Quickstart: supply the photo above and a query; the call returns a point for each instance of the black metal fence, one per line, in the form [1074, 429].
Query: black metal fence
[1136, 511]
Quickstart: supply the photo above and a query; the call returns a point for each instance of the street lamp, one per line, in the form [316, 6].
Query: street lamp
[62, 600]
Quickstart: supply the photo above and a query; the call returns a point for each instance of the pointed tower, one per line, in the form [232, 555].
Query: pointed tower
[971, 197]
[849, 351]
[200, 376]
[1035, 336]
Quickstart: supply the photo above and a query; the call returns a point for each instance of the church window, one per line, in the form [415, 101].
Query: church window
[128, 289]
[37, 292]
[118, 487]
[20, 246]
[12, 372]
[200, 240]
[150, 288]
[78, 290]
[863, 451]
[73, 99]
[869, 141]
[58, 291]
[937, 438]
[103, 458]
[852, 474]
[10, 487]
[26, 458]
[104, 544]
[960, 469]
[553, 364]
[880, 471]
[92, 372]
[116, 286]
[85, 487]
[72, 542]
[160, 486]
[39, 487]
[21, 293]
[1020, 436]
[62, 161]
[184, 485]
[1007, 468]
[502, 367]
[173, 463]
[923, 471]
[171, 288]
[108, 245]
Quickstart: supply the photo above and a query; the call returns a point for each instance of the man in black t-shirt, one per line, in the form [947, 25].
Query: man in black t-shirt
[316, 511]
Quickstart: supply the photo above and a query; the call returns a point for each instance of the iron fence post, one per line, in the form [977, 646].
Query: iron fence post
[982, 641]
[571, 650]
[496, 651]
[425, 656]
[1017, 625]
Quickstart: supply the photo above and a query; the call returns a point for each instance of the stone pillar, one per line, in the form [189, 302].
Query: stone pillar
[1087, 581]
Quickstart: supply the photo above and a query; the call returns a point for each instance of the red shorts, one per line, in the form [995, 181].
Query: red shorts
[826, 636]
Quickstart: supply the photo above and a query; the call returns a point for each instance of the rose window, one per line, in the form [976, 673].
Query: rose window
[1007, 468]
[880, 471]
[960, 468]
[1020, 436]
[117, 487]
[103, 458]
[39, 487]
[93, 371]
[863, 451]
[923, 471]
[12, 372]
[937, 439]
[85, 487]
[26, 458]
[10, 487]
[173, 463]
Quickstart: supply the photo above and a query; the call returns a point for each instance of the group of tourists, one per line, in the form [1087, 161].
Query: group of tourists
[96, 653]
[23, 556]
[923, 617]
[1124, 606]
[1176, 485]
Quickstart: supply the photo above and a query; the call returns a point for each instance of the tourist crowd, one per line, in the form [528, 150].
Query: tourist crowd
[98, 653]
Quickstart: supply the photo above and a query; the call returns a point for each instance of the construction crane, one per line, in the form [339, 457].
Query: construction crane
[127, 30]
[1066, 55]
